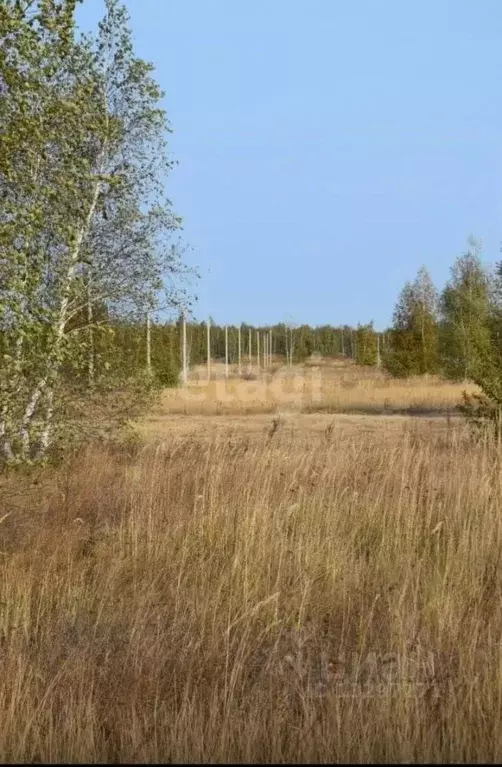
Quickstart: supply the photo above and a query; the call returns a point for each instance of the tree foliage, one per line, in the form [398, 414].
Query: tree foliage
[465, 317]
[85, 226]
[484, 410]
[413, 348]
[366, 345]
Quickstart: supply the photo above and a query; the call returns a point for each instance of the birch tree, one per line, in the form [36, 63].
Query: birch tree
[48, 112]
[132, 262]
[465, 316]
[366, 345]
[414, 335]
[83, 218]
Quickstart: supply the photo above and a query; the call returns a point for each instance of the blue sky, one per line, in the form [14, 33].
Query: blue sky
[326, 148]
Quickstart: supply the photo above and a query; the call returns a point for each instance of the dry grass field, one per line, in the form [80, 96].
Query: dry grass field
[280, 586]
[325, 388]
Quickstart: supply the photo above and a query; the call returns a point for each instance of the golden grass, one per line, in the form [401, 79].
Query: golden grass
[256, 598]
[310, 388]
[161, 427]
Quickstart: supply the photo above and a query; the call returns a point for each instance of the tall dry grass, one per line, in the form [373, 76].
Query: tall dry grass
[339, 599]
[327, 387]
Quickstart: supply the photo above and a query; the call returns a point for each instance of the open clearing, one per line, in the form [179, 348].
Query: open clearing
[331, 388]
[159, 426]
[305, 402]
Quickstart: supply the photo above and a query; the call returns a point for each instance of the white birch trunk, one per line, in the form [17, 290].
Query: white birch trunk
[185, 365]
[4, 442]
[53, 361]
[148, 344]
[239, 348]
[24, 431]
[208, 350]
[45, 438]
[53, 358]
[90, 361]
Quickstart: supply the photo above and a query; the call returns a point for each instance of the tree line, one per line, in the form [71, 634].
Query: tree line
[124, 348]
[455, 332]
[289, 342]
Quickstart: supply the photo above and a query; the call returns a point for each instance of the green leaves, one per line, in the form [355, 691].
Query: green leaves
[366, 345]
[84, 223]
[414, 335]
[465, 317]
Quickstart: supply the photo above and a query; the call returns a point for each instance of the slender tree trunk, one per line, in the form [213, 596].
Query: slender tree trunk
[53, 358]
[13, 386]
[184, 339]
[45, 438]
[424, 365]
[239, 348]
[226, 351]
[291, 347]
[208, 325]
[90, 360]
[24, 431]
[148, 344]
[4, 441]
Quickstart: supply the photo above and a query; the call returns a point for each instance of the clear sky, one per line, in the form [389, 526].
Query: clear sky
[326, 148]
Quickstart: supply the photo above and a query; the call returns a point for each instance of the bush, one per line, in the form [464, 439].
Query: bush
[249, 375]
[167, 374]
[484, 411]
